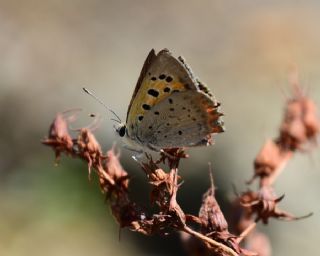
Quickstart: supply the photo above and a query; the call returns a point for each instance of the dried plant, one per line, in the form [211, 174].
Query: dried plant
[208, 233]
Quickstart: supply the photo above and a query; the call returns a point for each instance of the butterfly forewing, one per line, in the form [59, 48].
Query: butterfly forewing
[161, 76]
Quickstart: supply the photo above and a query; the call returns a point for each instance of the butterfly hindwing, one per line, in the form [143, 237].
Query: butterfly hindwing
[184, 119]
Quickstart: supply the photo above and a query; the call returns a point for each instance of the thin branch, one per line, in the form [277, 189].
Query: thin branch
[210, 241]
[272, 178]
[246, 232]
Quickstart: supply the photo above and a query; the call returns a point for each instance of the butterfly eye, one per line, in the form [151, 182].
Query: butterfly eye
[122, 131]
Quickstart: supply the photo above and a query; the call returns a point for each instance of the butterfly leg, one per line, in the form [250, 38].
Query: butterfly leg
[204, 142]
[167, 154]
[152, 148]
[138, 157]
[132, 149]
[138, 154]
[161, 151]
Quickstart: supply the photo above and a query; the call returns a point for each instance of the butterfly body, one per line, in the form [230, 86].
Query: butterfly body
[169, 108]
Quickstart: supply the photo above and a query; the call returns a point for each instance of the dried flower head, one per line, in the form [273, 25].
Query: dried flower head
[210, 214]
[267, 160]
[172, 157]
[301, 124]
[89, 149]
[264, 204]
[59, 138]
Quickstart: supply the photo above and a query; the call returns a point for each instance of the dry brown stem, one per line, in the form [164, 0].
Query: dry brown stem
[299, 130]
[114, 183]
[300, 127]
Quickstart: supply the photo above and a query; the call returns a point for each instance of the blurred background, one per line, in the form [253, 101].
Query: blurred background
[50, 49]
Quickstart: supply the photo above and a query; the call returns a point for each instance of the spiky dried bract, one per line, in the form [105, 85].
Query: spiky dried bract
[164, 190]
[116, 173]
[89, 149]
[59, 138]
[172, 157]
[300, 124]
[267, 160]
[264, 205]
[214, 225]
[210, 214]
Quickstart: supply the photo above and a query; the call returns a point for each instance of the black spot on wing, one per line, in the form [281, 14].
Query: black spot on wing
[169, 79]
[153, 92]
[146, 107]
[167, 89]
[162, 76]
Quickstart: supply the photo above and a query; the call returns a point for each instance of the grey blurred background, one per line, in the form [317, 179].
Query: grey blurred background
[50, 49]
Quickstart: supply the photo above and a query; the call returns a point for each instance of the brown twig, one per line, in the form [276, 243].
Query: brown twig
[246, 231]
[272, 178]
[299, 128]
[225, 249]
[114, 183]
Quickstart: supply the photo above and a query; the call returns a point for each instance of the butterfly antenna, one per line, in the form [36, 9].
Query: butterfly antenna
[115, 120]
[100, 101]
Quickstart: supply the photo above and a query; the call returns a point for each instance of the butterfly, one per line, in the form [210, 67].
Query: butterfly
[169, 108]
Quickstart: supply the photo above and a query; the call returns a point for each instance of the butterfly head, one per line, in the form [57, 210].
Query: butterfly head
[121, 129]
